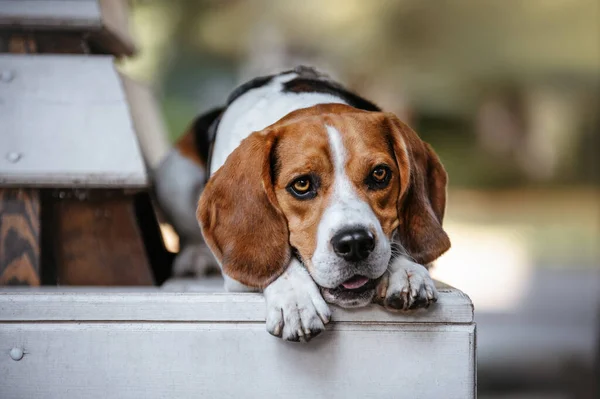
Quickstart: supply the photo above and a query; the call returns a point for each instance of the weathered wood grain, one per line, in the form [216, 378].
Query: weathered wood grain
[43, 43]
[98, 242]
[21, 43]
[19, 237]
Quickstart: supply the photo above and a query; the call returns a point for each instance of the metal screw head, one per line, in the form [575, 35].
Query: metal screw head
[13, 157]
[16, 354]
[6, 76]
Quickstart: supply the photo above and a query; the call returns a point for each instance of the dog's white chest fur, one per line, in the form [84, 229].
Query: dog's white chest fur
[257, 109]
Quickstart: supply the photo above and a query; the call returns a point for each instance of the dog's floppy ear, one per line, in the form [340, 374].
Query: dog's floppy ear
[240, 218]
[422, 200]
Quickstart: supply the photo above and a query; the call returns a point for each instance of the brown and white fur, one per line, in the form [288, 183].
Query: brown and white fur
[369, 220]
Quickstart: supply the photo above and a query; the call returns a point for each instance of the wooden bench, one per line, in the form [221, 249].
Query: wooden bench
[151, 343]
[78, 142]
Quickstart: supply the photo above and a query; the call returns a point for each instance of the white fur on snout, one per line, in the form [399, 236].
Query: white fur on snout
[295, 308]
[346, 209]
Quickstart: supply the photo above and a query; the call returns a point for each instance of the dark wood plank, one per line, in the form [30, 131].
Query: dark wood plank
[19, 237]
[98, 242]
[41, 42]
[61, 43]
[22, 43]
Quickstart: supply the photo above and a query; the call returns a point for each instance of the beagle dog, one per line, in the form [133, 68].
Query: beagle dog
[314, 196]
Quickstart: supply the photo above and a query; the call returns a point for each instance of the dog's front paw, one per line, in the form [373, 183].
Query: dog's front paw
[407, 285]
[296, 311]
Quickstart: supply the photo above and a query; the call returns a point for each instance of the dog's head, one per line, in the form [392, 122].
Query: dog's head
[334, 186]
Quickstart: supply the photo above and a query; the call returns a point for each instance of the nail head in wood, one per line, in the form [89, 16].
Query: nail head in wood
[16, 354]
[6, 76]
[13, 157]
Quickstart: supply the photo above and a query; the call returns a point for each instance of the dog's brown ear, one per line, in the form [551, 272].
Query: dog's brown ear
[240, 218]
[422, 199]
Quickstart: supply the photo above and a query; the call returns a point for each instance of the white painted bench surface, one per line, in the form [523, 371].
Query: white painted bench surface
[66, 121]
[149, 343]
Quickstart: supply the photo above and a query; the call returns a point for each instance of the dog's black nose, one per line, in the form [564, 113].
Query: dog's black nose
[353, 245]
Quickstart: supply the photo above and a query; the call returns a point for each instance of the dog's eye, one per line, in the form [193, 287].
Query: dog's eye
[302, 187]
[379, 177]
[379, 174]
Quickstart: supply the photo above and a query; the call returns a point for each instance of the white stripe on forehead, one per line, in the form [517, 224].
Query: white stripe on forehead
[338, 151]
[345, 209]
[344, 198]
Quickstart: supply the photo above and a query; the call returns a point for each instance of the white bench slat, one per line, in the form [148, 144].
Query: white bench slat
[232, 360]
[151, 343]
[68, 119]
[155, 305]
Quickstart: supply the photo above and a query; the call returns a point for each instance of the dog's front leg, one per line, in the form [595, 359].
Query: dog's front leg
[406, 285]
[296, 311]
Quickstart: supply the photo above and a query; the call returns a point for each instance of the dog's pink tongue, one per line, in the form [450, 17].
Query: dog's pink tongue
[355, 282]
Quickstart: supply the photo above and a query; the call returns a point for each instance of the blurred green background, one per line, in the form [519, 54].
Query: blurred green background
[507, 91]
